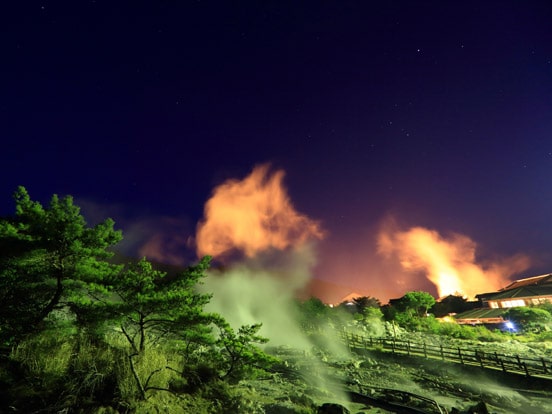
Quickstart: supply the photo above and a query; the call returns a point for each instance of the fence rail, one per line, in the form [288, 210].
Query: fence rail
[540, 367]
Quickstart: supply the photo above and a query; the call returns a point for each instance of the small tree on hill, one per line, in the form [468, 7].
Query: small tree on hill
[417, 303]
[149, 308]
[364, 303]
[240, 353]
[313, 314]
[148, 305]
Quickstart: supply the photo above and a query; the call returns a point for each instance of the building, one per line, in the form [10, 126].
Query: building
[523, 292]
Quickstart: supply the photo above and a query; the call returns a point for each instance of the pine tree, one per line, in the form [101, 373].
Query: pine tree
[148, 305]
[49, 258]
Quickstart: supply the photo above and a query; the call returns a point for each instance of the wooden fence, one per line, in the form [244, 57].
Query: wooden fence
[540, 367]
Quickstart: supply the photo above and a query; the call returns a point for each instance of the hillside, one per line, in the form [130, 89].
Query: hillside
[321, 377]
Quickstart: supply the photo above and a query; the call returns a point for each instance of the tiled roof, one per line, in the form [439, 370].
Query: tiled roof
[481, 313]
[522, 288]
[530, 281]
[520, 292]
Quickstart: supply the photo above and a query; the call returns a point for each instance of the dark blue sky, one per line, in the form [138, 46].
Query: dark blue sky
[439, 113]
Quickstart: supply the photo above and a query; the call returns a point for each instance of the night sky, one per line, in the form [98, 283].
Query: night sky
[428, 113]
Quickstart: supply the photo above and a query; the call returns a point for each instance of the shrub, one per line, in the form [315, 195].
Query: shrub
[544, 336]
[239, 355]
[45, 356]
[485, 335]
[534, 319]
[199, 376]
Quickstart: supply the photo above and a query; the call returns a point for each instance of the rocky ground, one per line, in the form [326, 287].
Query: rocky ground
[306, 380]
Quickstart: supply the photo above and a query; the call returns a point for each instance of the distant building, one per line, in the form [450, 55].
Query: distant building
[523, 292]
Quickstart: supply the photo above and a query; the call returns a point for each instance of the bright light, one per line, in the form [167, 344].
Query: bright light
[510, 326]
[449, 262]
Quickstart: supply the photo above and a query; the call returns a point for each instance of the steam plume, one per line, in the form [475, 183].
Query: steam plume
[253, 215]
[256, 217]
[263, 290]
[450, 263]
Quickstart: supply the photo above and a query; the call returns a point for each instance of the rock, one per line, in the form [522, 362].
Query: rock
[331, 408]
[480, 408]
[368, 363]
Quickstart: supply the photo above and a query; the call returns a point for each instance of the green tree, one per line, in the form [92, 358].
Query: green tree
[417, 303]
[529, 318]
[547, 306]
[49, 258]
[313, 313]
[151, 308]
[364, 303]
[450, 304]
[372, 313]
[149, 305]
[240, 353]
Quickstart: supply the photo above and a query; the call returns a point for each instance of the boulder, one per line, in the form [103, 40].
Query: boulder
[480, 408]
[331, 408]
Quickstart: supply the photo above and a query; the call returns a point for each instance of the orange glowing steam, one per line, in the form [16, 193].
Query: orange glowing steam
[450, 263]
[253, 215]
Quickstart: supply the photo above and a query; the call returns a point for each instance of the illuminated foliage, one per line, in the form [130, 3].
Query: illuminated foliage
[417, 303]
[313, 314]
[239, 352]
[364, 303]
[372, 313]
[85, 329]
[149, 305]
[49, 258]
[529, 318]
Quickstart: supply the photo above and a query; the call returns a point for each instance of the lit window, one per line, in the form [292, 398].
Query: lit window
[493, 305]
[512, 303]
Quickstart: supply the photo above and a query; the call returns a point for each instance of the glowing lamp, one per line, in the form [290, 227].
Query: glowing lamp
[510, 326]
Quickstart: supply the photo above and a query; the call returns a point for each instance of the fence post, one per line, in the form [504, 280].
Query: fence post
[460, 355]
[544, 369]
[408, 347]
[526, 370]
[425, 351]
[442, 353]
[479, 358]
[519, 362]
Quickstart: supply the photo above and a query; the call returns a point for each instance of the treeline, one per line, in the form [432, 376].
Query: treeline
[79, 333]
[418, 311]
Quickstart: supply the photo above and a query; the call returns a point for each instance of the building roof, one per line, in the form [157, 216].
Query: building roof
[520, 292]
[481, 313]
[530, 281]
[522, 288]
